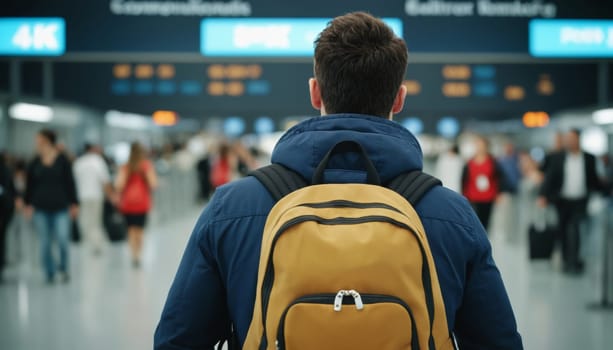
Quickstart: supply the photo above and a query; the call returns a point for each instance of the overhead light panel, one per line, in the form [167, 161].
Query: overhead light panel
[127, 120]
[603, 116]
[31, 112]
[595, 141]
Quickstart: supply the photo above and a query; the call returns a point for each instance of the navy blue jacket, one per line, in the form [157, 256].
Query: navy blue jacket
[216, 281]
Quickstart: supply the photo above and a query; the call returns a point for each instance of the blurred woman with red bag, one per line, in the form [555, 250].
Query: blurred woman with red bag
[135, 182]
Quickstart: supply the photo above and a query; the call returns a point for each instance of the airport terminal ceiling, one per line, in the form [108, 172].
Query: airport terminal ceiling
[428, 25]
[141, 56]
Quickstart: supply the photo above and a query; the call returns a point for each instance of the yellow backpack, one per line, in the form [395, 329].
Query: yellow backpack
[346, 266]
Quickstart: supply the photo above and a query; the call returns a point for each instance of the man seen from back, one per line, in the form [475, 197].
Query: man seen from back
[359, 69]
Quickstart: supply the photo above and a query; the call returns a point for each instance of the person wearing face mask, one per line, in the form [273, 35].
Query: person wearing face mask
[483, 181]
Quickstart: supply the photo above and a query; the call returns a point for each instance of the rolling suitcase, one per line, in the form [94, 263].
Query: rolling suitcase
[541, 235]
[541, 242]
[114, 223]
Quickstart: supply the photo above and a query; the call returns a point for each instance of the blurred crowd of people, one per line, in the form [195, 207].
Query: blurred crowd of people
[78, 198]
[75, 198]
[525, 188]
[64, 198]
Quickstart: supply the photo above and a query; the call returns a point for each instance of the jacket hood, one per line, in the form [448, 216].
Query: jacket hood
[391, 147]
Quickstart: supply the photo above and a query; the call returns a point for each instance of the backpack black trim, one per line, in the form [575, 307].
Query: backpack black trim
[281, 181]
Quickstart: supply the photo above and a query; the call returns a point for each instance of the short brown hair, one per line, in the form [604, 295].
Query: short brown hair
[359, 65]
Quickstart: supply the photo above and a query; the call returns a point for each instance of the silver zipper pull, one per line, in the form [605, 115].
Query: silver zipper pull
[338, 300]
[357, 298]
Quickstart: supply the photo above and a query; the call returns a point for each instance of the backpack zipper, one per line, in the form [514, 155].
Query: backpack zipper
[332, 299]
[338, 299]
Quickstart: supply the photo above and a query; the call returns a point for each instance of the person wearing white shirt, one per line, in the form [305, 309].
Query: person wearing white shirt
[93, 183]
[449, 167]
[574, 185]
[569, 180]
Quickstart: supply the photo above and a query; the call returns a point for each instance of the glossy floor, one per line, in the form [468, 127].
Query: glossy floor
[110, 305]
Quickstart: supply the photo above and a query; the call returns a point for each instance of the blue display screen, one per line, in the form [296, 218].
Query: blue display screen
[571, 38]
[32, 36]
[264, 125]
[448, 127]
[266, 37]
[234, 126]
[414, 124]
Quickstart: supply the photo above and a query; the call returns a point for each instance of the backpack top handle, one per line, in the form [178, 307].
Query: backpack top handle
[372, 176]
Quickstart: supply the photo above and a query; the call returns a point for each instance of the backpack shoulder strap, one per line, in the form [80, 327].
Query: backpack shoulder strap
[279, 180]
[413, 185]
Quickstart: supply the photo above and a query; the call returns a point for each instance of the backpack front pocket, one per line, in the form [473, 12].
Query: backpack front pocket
[347, 320]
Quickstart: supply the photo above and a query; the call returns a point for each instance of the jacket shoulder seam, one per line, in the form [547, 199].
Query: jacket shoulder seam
[236, 218]
[465, 225]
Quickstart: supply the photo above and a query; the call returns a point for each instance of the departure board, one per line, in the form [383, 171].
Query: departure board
[463, 26]
[252, 90]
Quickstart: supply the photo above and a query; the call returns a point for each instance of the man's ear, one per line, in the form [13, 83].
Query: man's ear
[315, 94]
[399, 100]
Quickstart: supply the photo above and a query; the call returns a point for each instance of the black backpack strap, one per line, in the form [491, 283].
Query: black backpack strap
[414, 185]
[230, 338]
[279, 180]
